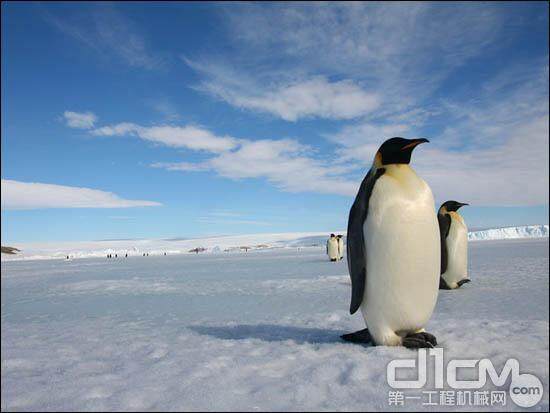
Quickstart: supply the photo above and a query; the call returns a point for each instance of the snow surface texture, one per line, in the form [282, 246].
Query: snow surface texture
[241, 243]
[235, 331]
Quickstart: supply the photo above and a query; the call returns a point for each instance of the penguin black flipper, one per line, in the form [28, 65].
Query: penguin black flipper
[444, 227]
[361, 336]
[357, 264]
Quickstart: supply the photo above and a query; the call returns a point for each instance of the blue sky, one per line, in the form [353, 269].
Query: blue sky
[138, 120]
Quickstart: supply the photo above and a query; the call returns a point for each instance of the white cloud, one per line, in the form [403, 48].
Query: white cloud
[33, 195]
[80, 120]
[191, 137]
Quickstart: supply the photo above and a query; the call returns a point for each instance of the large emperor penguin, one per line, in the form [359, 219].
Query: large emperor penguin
[454, 246]
[332, 248]
[393, 250]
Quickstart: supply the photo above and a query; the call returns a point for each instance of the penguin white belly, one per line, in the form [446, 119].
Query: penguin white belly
[340, 248]
[457, 251]
[403, 256]
[333, 249]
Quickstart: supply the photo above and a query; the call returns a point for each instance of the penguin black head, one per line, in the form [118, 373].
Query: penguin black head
[397, 150]
[452, 206]
[332, 235]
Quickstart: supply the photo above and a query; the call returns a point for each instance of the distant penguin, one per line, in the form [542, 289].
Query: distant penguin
[332, 248]
[340, 247]
[393, 251]
[454, 246]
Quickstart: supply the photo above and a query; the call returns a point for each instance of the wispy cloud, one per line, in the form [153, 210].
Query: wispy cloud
[108, 33]
[315, 97]
[80, 120]
[165, 108]
[34, 195]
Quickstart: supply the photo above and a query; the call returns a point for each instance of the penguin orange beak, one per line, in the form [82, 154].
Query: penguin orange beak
[414, 143]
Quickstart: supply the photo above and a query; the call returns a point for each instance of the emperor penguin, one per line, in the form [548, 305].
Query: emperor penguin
[454, 246]
[393, 251]
[332, 248]
[340, 246]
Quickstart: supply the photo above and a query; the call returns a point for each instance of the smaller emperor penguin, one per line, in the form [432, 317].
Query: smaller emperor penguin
[340, 246]
[332, 248]
[454, 246]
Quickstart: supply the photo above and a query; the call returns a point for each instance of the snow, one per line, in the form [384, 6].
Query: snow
[244, 331]
[221, 244]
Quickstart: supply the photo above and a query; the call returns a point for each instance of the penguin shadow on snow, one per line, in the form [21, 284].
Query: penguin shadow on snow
[272, 333]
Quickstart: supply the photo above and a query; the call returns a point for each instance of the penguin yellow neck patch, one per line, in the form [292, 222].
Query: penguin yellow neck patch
[457, 216]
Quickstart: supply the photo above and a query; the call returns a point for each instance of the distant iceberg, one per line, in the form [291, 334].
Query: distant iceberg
[530, 231]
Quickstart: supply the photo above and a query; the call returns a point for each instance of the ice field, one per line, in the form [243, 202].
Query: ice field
[245, 331]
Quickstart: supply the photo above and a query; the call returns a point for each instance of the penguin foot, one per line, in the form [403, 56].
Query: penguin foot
[430, 338]
[443, 285]
[420, 340]
[464, 281]
[361, 336]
